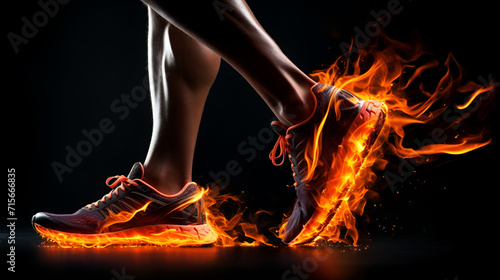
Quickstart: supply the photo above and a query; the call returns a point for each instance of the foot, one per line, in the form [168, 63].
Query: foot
[317, 148]
[133, 212]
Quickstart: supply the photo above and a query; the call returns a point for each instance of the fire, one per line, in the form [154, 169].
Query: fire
[121, 217]
[160, 235]
[345, 190]
[387, 74]
[151, 235]
[228, 230]
[221, 231]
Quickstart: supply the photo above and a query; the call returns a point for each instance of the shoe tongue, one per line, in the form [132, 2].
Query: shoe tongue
[279, 128]
[136, 172]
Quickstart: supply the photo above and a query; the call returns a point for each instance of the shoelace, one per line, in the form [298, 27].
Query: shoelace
[284, 146]
[119, 179]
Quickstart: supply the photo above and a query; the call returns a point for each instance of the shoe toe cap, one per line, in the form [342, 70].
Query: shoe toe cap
[303, 210]
[45, 220]
[293, 227]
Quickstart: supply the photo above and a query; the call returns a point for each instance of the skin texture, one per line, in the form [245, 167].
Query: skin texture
[187, 39]
[181, 72]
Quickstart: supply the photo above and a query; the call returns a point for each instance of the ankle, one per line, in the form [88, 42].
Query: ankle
[298, 110]
[164, 180]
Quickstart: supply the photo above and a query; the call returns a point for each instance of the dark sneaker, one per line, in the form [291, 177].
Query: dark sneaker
[133, 212]
[313, 145]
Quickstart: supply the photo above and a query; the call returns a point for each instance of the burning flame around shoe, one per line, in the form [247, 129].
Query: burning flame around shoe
[223, 232]
[158, 235]
[387, 74]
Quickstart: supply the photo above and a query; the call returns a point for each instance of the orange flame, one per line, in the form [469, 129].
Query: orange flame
[227, 230]
[121, 217]
[377, 74]
[382, 74]
[220, 231]
[161, 235]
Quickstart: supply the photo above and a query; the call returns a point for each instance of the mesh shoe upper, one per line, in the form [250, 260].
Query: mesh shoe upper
[131, 203]
[310, 181]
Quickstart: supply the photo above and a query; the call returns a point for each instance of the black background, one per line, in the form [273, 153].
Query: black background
[66, 77]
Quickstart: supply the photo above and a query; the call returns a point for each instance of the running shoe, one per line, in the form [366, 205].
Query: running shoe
[311, 147]
[133, 212]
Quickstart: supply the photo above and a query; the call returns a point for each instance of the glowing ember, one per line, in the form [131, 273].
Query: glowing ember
[159, 235]
[162, 235]
[220, 231]
[385, 74]
[227, 230]
[382, 74]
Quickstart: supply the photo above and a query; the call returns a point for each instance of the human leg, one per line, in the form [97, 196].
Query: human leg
[156, 203]
[315, 123]
[247, 47]
[181, 72]
[230, 29]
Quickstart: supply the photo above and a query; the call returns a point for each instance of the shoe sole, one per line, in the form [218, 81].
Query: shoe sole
[371, 109]
[161, 235]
